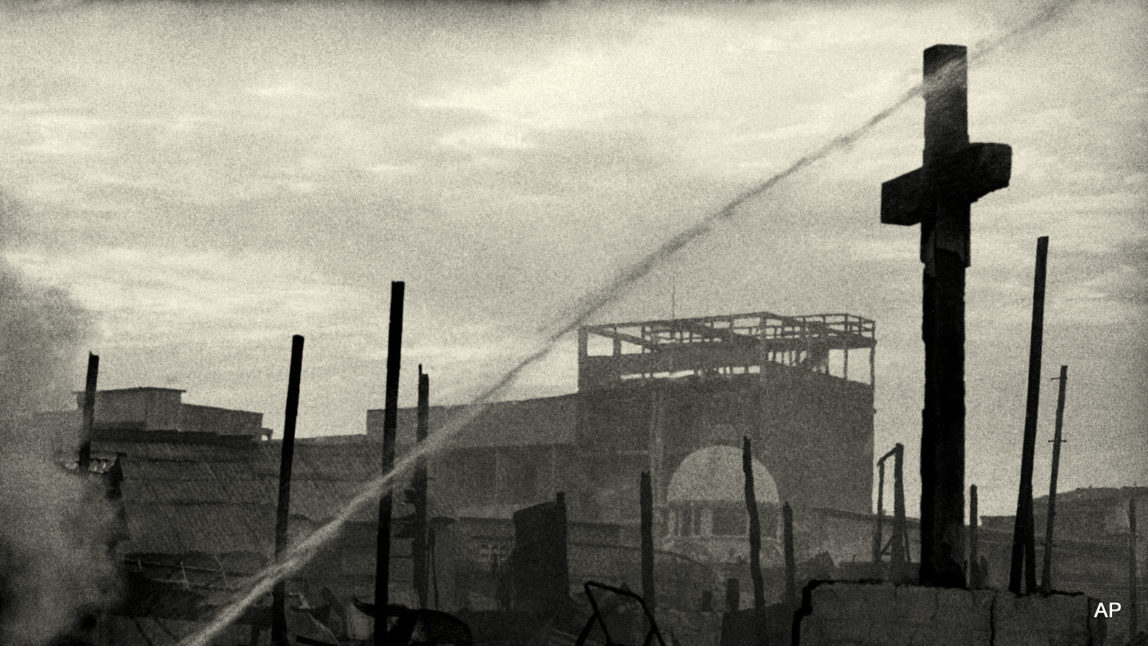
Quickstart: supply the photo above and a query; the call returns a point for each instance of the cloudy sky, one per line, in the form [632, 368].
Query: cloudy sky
[208, 179]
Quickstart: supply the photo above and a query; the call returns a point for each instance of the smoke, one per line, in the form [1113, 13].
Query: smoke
[54, 562]
[587, 307]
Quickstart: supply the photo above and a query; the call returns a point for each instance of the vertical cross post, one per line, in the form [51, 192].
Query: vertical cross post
[954, 174]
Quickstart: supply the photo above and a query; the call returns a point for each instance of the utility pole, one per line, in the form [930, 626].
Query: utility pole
[1046, 575]
[1024, 538]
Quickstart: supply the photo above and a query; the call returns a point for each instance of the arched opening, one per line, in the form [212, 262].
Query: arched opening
[706, 496]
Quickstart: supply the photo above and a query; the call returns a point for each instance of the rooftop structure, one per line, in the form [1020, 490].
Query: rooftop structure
[728, 344]
[148, 408]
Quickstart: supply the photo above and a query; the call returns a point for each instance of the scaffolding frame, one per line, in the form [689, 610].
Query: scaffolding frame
[724, 345]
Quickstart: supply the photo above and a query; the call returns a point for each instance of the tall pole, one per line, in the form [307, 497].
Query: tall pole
[754, 544]
[790, 561]
[390, 422]
[419, 544]
[89, 416]
[1024, 539]
[974, 558]
[286, 456]
[1046, 575]
[1133, 623]
[647, 502]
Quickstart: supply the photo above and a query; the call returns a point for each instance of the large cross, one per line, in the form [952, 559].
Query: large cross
[937, 196]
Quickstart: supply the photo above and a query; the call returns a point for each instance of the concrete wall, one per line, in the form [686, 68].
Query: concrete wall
[223, 421]
[156, 409]
[861, 614]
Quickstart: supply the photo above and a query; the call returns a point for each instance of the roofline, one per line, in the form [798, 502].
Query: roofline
[572, 395]
[132, 389]
[720, 318]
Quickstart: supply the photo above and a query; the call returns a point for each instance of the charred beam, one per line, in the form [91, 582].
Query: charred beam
[85, 459]
[419, 543]
[1024, 540]
[390, 422]
[754, 544]
[279, 635]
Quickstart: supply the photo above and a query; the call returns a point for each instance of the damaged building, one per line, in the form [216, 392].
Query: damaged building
[675, 398]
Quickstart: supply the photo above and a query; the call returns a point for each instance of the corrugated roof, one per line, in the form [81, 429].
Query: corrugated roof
[201, 498]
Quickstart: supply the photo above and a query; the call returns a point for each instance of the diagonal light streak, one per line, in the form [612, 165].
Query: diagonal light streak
[302, 553]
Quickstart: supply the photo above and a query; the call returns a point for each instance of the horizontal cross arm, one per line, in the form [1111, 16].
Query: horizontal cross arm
[973, 172]
[903, 199]
[966, 175]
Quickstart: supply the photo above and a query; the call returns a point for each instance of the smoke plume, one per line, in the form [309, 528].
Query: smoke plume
[54, 562]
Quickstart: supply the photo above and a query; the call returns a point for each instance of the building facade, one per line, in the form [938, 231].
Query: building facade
[662, 396]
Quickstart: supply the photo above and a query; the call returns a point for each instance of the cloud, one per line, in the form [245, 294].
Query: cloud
[275, 170]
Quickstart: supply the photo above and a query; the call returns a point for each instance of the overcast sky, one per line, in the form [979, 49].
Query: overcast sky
[208, 179]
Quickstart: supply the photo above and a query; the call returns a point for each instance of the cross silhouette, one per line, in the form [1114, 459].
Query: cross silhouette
[954, 174]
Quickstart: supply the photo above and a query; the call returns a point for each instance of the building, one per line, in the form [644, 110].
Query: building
[196, 515]
[1090, 553]
[675, 398]
[147, 409]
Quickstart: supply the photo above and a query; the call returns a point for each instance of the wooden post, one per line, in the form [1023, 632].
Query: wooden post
[84, 463]
[279, 635]
[419, 544]
[1133, 619]
[647, 520]
[899, 555]
[790, 562]
[390, 422]
[899, 539]
[1046, 574]
[937, 196]
[879, 523]
[1024, 539]
[975, 581]
[754, 543]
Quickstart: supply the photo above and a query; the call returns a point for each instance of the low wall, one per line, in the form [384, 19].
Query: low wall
[863, 614]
